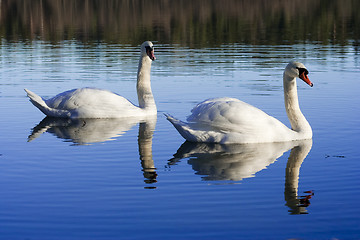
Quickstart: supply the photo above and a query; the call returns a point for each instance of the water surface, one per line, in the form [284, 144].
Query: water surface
[131, 179]
[104, 179]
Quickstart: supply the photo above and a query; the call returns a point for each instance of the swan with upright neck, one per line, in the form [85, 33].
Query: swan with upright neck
[98, 103]
[229, 120]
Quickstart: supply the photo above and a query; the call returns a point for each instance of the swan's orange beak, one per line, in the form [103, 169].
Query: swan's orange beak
[150, 53]
[305, 78]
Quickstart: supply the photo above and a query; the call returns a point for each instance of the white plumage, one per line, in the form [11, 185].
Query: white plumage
[98, 103]
[229, 120]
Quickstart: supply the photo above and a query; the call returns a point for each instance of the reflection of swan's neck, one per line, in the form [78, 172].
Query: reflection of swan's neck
[297, 156]
[143, 86]
[297, 120]
[146, 130]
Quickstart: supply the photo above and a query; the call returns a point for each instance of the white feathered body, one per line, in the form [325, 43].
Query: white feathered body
[229, 120]
[87, 103]
[98, 103]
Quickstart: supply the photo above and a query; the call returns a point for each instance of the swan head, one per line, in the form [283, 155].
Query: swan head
[147, 49]
[298, 70]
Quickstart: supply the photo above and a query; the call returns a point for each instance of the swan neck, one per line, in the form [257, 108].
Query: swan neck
[143, 86]
[297, 120]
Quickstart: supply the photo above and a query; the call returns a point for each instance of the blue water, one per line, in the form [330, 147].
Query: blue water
[121, 180]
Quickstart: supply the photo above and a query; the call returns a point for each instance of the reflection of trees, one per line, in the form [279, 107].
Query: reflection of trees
[188, 22]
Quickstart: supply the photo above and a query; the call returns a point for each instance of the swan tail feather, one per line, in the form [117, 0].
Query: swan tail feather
[38, 102]
[184, 129]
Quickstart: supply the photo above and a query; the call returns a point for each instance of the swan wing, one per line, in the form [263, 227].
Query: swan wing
[93, 103]
[231, 115]
[40, 103]
[86, 103]
[229, 120]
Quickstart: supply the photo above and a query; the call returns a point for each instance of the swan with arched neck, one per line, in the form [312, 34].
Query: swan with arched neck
[229, 120]
[99, 103]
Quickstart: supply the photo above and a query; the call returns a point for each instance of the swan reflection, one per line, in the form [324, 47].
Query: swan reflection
[89, 131]
[297, 204]
[239, 161]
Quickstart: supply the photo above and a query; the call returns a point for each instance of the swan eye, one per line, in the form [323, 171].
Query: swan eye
[148, 48]
[302, 70]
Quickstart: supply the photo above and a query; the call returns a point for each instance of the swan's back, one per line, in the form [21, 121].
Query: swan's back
[231, 120]
[83, 97]
[89, 102]
[229, 114]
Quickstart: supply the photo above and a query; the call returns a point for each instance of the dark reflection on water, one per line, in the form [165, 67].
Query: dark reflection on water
[90, 131]
[193, 23]
[146, 131]
[216, 162]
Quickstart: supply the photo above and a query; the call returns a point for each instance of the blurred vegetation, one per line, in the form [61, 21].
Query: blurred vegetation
[193, 23]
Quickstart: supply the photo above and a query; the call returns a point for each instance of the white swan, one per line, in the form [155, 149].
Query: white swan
[98, 103]
[229, 120]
